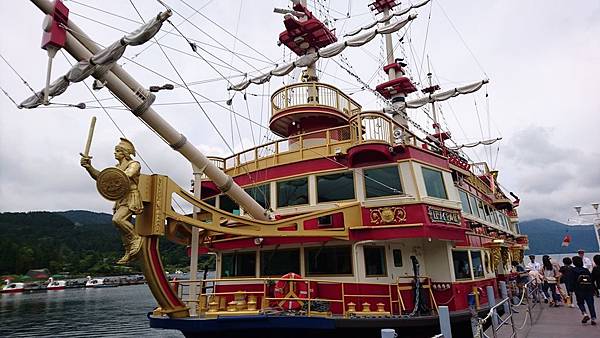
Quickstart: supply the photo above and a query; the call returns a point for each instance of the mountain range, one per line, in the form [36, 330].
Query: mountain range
[546, 236]
[80, 241]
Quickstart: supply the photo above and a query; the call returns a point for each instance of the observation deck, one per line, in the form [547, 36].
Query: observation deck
[310, 106]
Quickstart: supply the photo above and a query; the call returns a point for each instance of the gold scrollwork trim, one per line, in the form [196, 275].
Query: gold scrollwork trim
[387, 215]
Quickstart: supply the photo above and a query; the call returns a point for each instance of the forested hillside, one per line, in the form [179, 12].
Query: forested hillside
[71, 241]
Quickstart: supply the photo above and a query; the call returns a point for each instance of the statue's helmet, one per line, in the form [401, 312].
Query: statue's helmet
[126, 146]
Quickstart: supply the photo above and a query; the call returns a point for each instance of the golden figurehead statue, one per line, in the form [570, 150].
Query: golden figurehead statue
[120, 184]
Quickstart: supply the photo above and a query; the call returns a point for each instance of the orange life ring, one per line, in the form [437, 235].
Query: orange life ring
[287, 288]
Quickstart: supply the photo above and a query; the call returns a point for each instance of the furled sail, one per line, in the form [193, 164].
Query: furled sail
[100, 62]
[325, 52]
[445, 95]
[384, 19]
[475, 144]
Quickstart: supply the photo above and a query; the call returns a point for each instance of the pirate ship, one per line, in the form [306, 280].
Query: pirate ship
[348, 223]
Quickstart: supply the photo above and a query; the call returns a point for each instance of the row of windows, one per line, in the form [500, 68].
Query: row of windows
[379, 182]
[468, 264]
[332, 260]
[476, 207]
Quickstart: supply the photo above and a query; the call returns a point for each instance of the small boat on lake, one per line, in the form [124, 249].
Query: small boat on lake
[13, 287]
[56, 284]
[99, 283]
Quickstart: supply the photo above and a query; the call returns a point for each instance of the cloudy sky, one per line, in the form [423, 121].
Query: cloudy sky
[542, 59]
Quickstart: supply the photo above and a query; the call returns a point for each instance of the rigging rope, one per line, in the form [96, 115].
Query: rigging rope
[188, 88]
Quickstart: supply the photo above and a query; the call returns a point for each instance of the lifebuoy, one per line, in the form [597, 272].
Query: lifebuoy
[287, 288]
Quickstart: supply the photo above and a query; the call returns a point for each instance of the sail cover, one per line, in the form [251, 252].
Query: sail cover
[384, 19]
[100, 62]
[325, 52]
[445, 95]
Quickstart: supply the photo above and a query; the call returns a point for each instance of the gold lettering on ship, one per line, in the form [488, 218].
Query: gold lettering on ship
[438, 215]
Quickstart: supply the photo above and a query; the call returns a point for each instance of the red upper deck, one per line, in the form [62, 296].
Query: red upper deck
[300, 35]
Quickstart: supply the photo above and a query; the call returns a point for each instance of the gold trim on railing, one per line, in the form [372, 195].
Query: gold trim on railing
[313, 94]
[211, 304]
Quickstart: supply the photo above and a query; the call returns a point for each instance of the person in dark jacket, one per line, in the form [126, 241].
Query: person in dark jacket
[567, 278]
[584, 290]
[596, 275]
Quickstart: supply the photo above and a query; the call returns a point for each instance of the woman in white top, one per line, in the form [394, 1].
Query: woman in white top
[551, 275]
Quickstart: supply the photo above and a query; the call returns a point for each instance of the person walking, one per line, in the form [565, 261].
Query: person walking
[551, 274]
[532, 265]
[596, 275]
[584, 290]
[568, 280]
[587, 263]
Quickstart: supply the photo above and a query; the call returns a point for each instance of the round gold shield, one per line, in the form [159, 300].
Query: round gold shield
[112, 183]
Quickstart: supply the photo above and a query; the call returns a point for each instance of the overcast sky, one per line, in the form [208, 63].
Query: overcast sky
[542, 59]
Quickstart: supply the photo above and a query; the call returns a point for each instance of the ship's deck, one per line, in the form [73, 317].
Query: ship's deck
[551, 323]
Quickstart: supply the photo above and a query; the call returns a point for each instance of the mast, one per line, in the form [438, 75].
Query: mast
[139, 100]
[398, 85]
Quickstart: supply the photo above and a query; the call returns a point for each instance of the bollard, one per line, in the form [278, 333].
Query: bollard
[504, 294]
[444, 317]
[388, 333]
[492, 303]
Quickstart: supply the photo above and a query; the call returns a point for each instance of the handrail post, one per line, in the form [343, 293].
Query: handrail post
[444, 317]
[492, 303]
[504, 294]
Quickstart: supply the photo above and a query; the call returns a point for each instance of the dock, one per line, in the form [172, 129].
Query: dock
[548, 322]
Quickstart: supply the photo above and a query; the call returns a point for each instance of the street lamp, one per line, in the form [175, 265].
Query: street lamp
[596, 221]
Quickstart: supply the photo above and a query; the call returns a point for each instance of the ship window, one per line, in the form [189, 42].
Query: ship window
[227, 204]
[332, 260]
[480, 208]
[397, 255]
[384, 181]
[434, 183]
[473, 203]
[335, 187]
[488, 216]
[292, 192]
[212, 201]
[374, 261]
[279, 262]
[261, 194]
[238, 264]
[464, 200]
[462, 268]
[477, 264]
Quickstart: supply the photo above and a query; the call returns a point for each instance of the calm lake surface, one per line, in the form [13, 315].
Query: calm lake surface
[107, 312]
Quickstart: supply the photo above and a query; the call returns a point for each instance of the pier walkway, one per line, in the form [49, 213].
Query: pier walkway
[555, 322]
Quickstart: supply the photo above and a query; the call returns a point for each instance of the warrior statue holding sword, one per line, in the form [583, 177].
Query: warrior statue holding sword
[119, 184]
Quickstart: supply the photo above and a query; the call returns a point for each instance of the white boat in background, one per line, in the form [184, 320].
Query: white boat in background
[98, 283]
[56, 284]
[13, 287]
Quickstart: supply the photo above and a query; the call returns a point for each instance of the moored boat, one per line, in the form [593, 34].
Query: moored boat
[99, 283]
[56, 284]
[352, 221]
[13, 287]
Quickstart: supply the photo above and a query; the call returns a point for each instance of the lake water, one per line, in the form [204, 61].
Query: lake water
[107, 312]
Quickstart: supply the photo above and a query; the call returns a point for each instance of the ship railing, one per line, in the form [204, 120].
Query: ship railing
[305, 146]
[255, 295]
[365, 127]
[312, 94]
[528, 294]
[372, 127]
